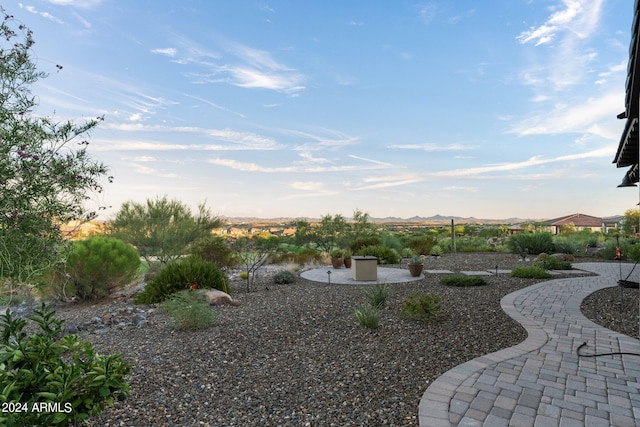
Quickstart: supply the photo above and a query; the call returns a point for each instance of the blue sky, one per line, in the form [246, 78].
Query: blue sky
[492, 109]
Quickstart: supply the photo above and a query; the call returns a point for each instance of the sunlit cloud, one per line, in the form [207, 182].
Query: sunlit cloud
[568, 28]
[254, 167]
[81, 4]
[240, 140]
[579, 17]
[47, 15]
[168, 51]
[428, 147]
[577, 118]
[145, 170]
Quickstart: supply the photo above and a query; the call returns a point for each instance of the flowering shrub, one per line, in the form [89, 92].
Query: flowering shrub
[420, 306]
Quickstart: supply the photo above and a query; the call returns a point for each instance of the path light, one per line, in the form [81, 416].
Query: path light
[496, 269]
[329, 275]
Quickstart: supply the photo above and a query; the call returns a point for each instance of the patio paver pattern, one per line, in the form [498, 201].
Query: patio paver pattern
[543, 381]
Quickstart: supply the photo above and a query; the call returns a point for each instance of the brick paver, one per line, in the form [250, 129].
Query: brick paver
[542, 381]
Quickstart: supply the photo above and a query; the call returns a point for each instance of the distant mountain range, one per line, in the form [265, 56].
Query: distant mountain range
[435, 219]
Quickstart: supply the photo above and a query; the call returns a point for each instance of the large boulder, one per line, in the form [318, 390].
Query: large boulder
[217, 297]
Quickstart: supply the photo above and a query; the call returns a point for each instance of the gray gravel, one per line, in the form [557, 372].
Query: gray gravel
[294, 355]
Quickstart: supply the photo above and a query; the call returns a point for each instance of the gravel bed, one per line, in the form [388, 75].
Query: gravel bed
[295, 355]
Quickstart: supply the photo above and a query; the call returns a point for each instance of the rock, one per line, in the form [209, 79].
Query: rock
[217, 297]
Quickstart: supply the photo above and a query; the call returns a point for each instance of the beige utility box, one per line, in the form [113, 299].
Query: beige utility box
[365, 268]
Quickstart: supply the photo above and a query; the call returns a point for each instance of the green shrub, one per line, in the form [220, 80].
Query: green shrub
[530, 272]
[436, 250]
[215, 250]
[609, 250]
[420, 306]
[284, 277]
[95, 268]
[462, 280]
[377, 296]
[362, 242]
[48, 368]
[422, 245]
[549, 262]
[530, 243]
[385, 255]
[368, 316]
[567, 245]
[189, 310]
[179, 275]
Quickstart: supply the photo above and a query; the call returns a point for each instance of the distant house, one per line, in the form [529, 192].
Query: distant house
[612, 222]
[575, 221]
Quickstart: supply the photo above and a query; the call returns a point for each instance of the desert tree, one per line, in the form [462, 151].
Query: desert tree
[253, 252]
[46, 173]
[162, 229]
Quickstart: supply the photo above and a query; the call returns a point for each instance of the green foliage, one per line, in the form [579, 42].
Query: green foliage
[215, 250]
[325, 235]
[49, 368]
[336, 253]
[567, 245]
[367, 315]
[46, 173]
[362, 242]
[549, 262]
[254, 252]
[530, 272]
[95, 268]
[385, 255]
[284, 277]
[377, 296]
[531, 243]
[631, 222]
[462, 280]
[161, 228]
[422, 245]
[189, 310]
[436, 250]
[474, 244]
[180, 275]
[420, 306]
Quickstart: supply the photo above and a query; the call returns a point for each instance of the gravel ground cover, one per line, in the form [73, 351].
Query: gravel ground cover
[295, 355]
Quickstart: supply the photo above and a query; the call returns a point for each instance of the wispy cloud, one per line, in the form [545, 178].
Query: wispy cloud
[429, 147]
[295, 168]
[331, 139]
[243, 66]
[578, 17]
[167, 51]
[566, 31]
[47, 15]
[81, 4]
[578, 118]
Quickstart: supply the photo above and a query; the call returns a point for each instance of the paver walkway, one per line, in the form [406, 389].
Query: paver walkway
[542, 381]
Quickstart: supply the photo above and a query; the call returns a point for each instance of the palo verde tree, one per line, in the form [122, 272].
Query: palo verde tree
[46, 174]
[253, 252]
[162, 229]
[325, 235]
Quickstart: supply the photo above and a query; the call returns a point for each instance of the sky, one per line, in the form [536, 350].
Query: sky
[488, 109]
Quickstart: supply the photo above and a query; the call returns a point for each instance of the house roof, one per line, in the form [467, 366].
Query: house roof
[627, 153]
[579, 220]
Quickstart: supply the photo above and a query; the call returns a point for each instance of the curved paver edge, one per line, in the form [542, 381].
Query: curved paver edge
[433, 409]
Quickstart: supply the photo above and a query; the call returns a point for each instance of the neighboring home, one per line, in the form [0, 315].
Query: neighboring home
[576, 222]
[612, 223]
